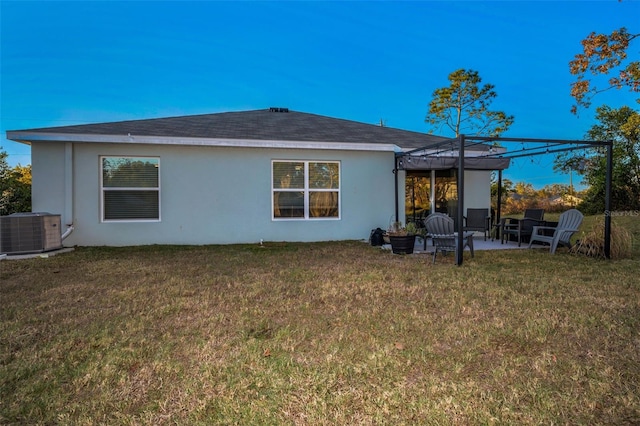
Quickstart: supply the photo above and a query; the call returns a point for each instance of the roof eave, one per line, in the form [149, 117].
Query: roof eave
[27, 137]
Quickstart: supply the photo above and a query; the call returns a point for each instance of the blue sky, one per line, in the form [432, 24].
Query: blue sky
[79, 62]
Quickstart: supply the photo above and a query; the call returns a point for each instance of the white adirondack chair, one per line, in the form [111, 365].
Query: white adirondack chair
[568, 224]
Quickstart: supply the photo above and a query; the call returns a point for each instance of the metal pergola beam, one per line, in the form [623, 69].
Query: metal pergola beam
[532, 140]
[547, 151]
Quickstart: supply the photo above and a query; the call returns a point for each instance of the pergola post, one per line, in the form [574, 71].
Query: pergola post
[607, 201]
[499, 200]
[459, 253]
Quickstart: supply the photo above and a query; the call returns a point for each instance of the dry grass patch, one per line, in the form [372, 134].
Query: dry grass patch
[591, 242]
[327, 333]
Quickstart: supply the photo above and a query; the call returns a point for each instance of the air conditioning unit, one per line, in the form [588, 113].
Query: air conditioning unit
[29, 233]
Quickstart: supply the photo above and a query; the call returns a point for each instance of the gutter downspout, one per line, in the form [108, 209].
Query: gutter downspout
[67, 232]
[395, 175]
[68, 189]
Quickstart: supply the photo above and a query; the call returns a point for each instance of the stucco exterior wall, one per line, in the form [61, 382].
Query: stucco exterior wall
[477, 189]
[48, 179]
[211, 195]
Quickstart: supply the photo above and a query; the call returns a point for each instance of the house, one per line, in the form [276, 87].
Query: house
[239, 177]
[564, 201]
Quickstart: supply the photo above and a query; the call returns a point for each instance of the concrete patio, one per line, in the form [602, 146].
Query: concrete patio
[479, 244]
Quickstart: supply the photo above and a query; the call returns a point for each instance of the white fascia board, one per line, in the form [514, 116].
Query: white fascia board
[28, 137]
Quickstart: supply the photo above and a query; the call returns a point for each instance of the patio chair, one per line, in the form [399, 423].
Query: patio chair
[440, 228]
[521, 228]
[477, 220]
[568, 224]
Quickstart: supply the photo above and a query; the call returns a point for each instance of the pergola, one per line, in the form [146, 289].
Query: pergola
[441, 156]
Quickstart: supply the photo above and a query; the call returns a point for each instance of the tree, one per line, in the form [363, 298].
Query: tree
[463, 107]
[525, 189]
[555, 189]
[15, 187]
[602, 54]
[622, 126]
[505, 190]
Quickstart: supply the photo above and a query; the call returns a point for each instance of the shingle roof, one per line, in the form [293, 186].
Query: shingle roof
[267, 124]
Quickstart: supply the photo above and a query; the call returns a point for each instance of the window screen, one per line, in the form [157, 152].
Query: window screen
[130, 188]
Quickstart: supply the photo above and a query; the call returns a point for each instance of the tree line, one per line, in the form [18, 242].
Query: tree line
[517, 197]
[15, 187]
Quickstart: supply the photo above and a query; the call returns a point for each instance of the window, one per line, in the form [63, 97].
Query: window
[130, 188]
[306, 189]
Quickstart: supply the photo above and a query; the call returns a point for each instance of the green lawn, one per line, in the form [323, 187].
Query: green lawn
[325, 333]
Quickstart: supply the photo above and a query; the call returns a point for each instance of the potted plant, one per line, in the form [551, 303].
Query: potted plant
[402, 238]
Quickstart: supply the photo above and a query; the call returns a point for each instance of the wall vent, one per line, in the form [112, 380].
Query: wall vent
[276, 109]
[29, 233]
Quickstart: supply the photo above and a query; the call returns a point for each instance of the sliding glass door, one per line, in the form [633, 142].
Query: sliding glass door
[417, 196]
[429, 191]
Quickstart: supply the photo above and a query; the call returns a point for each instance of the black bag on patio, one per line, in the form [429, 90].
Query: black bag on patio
[376, 238]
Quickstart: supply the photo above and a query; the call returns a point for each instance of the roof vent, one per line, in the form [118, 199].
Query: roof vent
[276, 109]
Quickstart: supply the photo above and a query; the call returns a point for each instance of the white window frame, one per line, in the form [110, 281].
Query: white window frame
[103, 189]
[306, 190]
